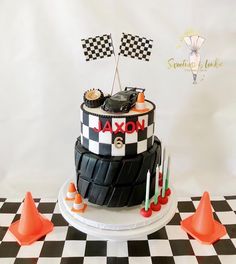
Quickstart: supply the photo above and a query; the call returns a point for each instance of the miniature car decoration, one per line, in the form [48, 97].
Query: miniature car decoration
[94, 98]
[122, 101]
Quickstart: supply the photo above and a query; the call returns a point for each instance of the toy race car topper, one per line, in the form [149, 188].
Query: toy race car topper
[122, 101]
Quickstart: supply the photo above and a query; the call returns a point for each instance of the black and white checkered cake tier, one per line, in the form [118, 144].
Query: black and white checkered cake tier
[117, 134]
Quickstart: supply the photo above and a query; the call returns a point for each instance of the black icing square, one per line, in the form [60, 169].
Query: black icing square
[150, 118]
[149, 142]
[85, 118]
[81, 127]
[131, 149]
[86, 142]
[93, 135]
[142, 134]
[131, 119]
[104, 149]
[119, 134]
[104, 120]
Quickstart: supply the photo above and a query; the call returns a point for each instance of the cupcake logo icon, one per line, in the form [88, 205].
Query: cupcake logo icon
[194, 43]
[197, 63]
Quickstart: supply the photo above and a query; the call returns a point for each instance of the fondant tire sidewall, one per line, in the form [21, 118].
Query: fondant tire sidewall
[95, 102]
[115, 181]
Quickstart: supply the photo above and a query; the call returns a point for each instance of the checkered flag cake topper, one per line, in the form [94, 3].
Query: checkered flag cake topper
[135, 47]
[97, 47]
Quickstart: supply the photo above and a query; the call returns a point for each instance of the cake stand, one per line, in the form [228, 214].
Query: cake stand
[115, 223]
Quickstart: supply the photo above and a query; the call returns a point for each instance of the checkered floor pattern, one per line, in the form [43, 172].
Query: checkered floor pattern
[169, 245]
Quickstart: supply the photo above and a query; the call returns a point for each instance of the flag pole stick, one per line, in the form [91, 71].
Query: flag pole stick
[116, 69]
[118, 76]
[114, 78]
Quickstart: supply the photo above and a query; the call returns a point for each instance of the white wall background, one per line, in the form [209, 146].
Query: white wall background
[43, 76]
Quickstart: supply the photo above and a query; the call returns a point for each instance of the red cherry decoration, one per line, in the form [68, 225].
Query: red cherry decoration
[168, 192]
[163, 200]
[147, 213]
[155, 207]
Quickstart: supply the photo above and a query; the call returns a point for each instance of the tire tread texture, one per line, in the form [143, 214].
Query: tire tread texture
[115, 181]
[96, 102]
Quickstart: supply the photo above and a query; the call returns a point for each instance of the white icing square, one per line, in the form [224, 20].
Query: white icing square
[81, 116]
[142, 146]
[117, 151]
[131, 138]
[119, 121]
[85, 131]
[105, 137]
[150, 131]
[93, 121]
[94, 146]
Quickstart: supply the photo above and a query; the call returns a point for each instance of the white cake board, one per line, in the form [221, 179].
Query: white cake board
[115, 223]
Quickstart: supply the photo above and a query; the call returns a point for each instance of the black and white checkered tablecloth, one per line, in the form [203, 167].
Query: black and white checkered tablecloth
[168, 245]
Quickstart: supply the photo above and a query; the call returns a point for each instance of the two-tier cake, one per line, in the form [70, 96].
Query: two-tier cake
[114, 153]
[116, 159]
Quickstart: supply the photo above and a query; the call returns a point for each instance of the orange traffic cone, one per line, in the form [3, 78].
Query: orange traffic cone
[31, 225]
[78, 206]
[70, 196]
[202, 225]
[140, 104]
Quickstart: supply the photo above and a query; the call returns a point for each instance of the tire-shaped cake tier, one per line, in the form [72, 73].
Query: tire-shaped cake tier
[115, 181]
